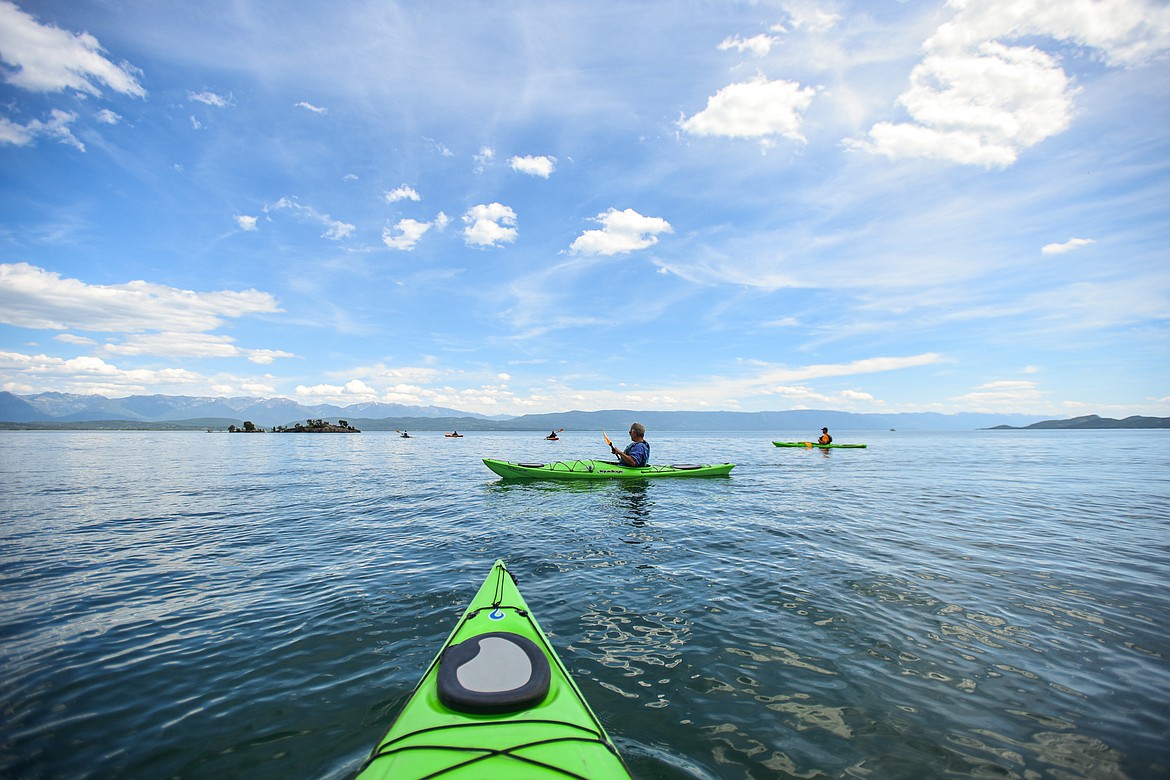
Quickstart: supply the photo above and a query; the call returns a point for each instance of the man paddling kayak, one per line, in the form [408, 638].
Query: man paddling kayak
[825, 437]
[638, 452]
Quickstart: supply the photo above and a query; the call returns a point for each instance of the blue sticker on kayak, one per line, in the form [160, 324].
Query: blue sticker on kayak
[496, 614]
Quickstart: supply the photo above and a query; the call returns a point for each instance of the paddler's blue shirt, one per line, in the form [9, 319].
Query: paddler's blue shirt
[640, 452]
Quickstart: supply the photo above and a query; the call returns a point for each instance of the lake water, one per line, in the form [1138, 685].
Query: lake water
[977, 604]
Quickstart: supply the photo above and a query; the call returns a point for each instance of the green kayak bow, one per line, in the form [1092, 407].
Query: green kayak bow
[496, 703]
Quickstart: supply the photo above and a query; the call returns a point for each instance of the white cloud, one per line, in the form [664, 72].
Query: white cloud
[43, 58]
[441, 221]
[200, 345]
[91, 375]
[978, 108]
[976, 100]
[486, 155]
[245, 222]
[622, 231]
[1067, 246]
[334, 229]
[1122, 32]
[758, 45]
[108, 117]
[753, 109]
[489, 225]
[535, 166]
[813, 19]
[443, 150]
[32, 297]
[311, 107]
[56, 127]
[207, 97]
[69, 338]
[863, 366]
[1006, 395]
[409, 233]
[352, 392]
[402, 193]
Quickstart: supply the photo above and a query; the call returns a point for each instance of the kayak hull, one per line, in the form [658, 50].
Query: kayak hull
[558, 736]
[602, 469]
[812, 444]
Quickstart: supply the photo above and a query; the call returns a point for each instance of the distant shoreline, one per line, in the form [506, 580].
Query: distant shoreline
[443, 424]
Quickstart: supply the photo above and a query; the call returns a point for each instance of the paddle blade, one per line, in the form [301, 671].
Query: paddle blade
[607, 441]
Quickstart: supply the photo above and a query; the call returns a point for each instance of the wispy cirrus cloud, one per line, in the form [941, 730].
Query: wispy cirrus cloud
[199, 345]
[209, 98]
[335, 230]
[758, 45]
[310, 107]
[1068, 246]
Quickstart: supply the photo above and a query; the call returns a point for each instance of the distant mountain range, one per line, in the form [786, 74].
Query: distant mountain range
[171, 412]
[70, 408]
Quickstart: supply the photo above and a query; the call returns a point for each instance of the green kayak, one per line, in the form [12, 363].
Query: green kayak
[602, 469]
[496, 702]
[811, 444]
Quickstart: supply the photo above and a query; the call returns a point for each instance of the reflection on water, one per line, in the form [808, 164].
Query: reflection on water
[635, 503]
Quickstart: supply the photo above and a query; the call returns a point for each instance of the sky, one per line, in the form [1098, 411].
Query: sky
[528, 207]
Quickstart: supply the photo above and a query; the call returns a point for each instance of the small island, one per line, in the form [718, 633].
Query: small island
[318, 426]
[309, 426]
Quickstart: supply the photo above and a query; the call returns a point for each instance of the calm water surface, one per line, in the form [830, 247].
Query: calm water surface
[983, 604]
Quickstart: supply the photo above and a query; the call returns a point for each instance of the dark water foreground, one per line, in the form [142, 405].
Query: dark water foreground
[985, 604]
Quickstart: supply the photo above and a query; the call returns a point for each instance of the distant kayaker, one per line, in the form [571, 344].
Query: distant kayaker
[638, 452]
[825, 437]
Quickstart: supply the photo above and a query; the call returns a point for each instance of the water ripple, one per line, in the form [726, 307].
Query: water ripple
[984, 604]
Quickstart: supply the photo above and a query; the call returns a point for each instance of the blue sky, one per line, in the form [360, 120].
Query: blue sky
[540, 206]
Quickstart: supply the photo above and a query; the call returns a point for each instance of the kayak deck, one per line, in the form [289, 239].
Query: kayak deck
[602, 469]
[554, 735]
[813, 444]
